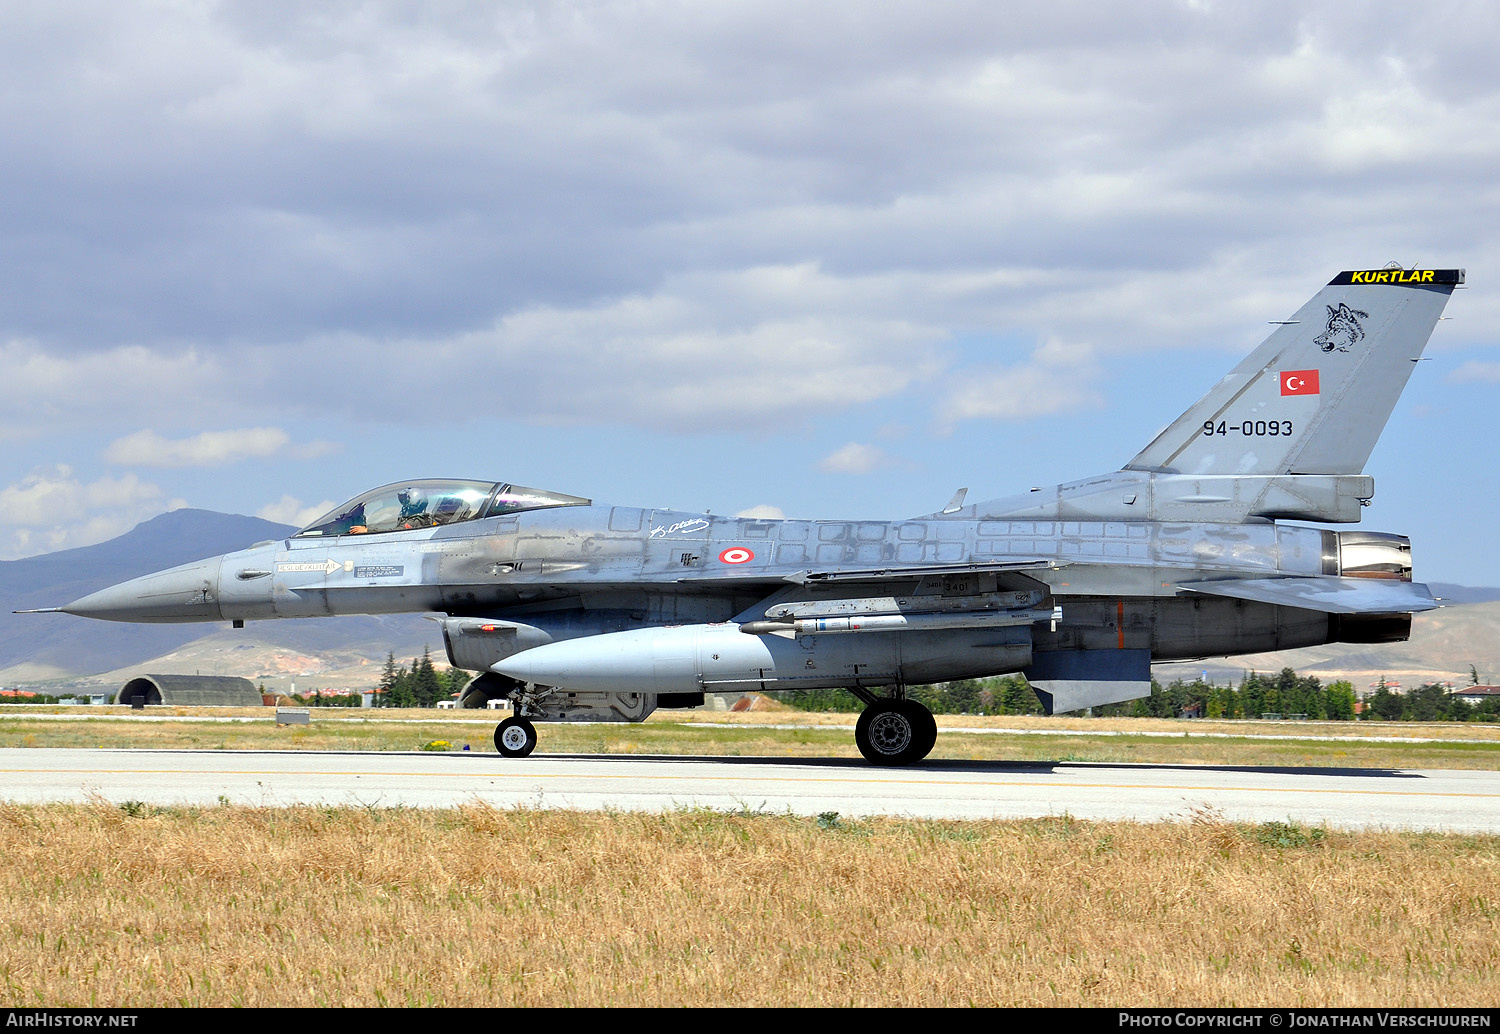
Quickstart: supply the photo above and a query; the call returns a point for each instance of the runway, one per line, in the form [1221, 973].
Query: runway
[1466, 801]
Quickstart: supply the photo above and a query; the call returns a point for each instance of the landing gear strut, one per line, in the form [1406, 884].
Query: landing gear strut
[515, 737]
[895, 731]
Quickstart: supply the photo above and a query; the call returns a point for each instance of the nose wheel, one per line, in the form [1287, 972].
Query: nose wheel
[895, 732]
[515, 737]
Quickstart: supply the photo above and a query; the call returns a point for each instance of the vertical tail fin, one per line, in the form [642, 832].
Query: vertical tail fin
[1314, 397]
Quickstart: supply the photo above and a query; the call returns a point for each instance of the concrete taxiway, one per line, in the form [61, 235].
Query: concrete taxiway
[1466, 801]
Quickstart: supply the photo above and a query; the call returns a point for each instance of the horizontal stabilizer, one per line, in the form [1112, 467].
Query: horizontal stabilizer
[1328, 593]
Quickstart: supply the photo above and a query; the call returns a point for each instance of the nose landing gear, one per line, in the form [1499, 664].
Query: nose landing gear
[515, 737]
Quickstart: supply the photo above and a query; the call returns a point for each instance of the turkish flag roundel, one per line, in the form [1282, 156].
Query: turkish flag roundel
[1299, 382]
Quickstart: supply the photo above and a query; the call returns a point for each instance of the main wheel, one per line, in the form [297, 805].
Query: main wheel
[928, 727]
[515, 737]
[895, 732]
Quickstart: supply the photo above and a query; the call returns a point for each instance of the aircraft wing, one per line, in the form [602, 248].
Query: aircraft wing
[922, 596]
[1328, 593]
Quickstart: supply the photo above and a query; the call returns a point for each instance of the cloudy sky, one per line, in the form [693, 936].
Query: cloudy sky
[825, 260]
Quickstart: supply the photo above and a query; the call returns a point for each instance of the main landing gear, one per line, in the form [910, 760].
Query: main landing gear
[893, 730]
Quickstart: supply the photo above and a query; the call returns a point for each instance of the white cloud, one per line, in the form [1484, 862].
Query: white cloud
[384, 218]
[1476, 370]
[853, 458]
[289, 510]
[1055, 380]
[146, 448]
[51, 509]
[724, 351]
[763, 512]
[618, 214]
[50, 388]
[313, 450]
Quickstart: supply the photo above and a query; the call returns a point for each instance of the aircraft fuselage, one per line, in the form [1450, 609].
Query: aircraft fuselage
[578, 611]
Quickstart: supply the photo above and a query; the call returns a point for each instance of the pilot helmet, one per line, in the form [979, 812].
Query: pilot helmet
[413, 499]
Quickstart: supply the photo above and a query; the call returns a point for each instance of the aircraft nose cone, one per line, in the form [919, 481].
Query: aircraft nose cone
[186, 593]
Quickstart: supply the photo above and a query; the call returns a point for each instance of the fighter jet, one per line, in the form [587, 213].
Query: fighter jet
[574, 610]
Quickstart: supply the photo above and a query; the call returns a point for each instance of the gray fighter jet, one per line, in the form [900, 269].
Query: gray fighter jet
[578, 611]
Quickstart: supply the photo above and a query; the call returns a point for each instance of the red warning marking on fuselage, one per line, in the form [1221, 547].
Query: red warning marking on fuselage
[736, 555]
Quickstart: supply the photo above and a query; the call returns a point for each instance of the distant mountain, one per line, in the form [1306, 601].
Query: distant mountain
[1450, 593]
[1444, 644]
[43, 644]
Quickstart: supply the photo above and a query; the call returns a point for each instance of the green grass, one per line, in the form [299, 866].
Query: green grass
[808, 736]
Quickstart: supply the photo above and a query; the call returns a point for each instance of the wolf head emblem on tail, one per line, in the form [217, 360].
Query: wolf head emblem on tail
[1343, 328]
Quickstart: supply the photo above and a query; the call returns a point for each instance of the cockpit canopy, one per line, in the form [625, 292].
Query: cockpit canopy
[429, 502]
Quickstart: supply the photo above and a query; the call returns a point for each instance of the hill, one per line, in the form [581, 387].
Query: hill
[1443, 645]
[44, 647]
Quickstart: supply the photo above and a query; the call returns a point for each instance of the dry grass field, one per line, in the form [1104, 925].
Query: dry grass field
[132, 906]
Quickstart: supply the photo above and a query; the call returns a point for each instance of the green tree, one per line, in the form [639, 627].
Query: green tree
[1338, 701]
[1485, 711]
[401, 691]
[820, 699]
[1253, 695]
[455, 681]
[1217, 706]
[1014, 695]
[425, 687]
[1427, 703]
[387, 682]
[1384, 704]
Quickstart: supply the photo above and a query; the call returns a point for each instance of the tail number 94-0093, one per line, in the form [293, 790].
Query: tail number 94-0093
[1250, 428]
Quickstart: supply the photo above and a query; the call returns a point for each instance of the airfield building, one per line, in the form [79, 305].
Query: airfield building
[191, 690]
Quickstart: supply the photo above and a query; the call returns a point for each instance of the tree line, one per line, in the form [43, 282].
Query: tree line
[1284, 694]
[421, 685]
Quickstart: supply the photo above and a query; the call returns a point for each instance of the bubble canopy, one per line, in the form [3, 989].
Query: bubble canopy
[428, 503]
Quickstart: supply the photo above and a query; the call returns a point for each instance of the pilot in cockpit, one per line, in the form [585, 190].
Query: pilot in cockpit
[350, 523]
[413, 508]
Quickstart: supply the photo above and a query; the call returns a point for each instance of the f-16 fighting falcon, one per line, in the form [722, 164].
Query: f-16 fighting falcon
[574, 610]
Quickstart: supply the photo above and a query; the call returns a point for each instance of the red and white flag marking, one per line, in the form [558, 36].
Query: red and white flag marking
[1299, 382]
